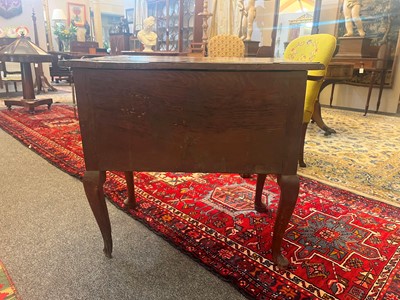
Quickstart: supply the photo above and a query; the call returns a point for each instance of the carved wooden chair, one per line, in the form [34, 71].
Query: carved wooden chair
[58, 73]
[311, 48]
[225, 46]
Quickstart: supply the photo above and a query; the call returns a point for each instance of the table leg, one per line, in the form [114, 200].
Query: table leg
[382, 84]
[332, 93]
[42, 81]
[93, 182]
[289, 185]
[371, 85]
[130, 202]
[27, 81]
[258, 205]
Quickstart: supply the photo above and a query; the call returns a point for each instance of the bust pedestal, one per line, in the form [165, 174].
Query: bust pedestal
[354, 47]
[147, 48]
[251, 48]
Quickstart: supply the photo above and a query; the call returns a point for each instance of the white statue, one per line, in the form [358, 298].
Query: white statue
[250, 16]
[351, 11]
[146, 36]
[239, 18]
[233, 17]
[246, 17]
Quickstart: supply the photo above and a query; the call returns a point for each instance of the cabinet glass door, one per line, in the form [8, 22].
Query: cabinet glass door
[175, 21]
[188, 18]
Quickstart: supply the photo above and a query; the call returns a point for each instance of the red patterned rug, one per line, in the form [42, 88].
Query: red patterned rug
[7, 289]
[341, 245]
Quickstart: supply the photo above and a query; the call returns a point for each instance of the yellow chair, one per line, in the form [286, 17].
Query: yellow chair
[311, 48]
[225, 46]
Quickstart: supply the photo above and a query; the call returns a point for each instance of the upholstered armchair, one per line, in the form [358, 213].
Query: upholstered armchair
[311, 48]
[225, 46]
[7, 77]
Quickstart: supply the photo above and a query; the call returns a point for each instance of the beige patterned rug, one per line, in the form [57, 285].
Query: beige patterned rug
[363, 156]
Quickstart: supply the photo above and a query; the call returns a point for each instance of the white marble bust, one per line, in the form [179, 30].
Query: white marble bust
[146, 36]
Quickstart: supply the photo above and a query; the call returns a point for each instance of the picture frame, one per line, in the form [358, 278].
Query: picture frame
[130, 14]
[77, 14]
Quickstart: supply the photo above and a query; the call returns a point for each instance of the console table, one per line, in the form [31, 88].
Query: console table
[358, 52]
[191, 114]
[375, 66]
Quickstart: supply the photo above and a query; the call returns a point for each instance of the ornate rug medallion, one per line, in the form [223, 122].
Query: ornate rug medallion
[336, 239]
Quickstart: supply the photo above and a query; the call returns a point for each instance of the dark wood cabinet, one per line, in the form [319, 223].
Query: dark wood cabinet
[83, 47]
[119, 42]
[178, 24]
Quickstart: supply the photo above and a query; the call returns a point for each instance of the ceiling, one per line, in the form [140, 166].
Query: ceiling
[292, 6]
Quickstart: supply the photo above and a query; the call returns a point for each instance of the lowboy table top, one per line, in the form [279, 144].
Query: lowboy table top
[191, 63]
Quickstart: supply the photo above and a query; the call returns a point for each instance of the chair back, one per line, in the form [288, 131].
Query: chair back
[225, 46]
[312, 48]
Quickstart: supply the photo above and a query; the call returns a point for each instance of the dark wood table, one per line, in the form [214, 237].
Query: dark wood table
[191, 114]
[28, 99]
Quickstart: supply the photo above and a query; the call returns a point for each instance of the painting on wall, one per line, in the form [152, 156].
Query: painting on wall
[76, 14]
[10, 8]
[130, 15]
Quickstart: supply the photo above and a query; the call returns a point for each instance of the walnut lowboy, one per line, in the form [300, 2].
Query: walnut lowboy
[191, 114]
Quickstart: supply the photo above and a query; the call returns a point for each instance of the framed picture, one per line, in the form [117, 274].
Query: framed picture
[130, 15]
[76, 14]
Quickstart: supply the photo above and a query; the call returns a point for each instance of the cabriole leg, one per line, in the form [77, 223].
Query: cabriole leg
[258, 205]
[289, 185]
[93, 182]
[130, 202]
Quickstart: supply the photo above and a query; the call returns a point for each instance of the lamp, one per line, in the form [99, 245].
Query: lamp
[58, 15]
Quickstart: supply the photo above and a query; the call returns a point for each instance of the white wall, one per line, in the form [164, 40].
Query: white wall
[25, 19]
[62, 4]
[115, 7]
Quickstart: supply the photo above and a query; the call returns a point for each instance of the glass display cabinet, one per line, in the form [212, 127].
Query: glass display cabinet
[177, 23]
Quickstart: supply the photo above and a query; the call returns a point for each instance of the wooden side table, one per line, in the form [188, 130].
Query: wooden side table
[25, 52]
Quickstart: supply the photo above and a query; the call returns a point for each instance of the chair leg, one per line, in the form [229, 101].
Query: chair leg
[7, 91]
[15, 86]
[303, 137]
